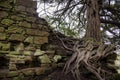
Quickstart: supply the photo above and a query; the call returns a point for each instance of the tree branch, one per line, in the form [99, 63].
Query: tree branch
[110, 22]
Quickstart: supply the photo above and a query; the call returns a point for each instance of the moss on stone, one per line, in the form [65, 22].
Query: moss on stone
[2, 29]
[118, 71]
[17, 78]
[118, 57]
[28, 53]
[3, 36]
[12, 74]
[44, 59]
[7, 22]
[38, 52]
[6, 46]
[57, 58]
[14, 29]
[4, 52]
[14, 53]
[5, 4]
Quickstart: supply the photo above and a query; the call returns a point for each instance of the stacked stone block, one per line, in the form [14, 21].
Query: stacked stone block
[19, 22]
[22, 33]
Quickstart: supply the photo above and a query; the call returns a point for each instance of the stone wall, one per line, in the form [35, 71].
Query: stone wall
[22, 33]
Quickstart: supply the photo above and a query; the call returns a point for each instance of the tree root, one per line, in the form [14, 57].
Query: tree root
[89, 55]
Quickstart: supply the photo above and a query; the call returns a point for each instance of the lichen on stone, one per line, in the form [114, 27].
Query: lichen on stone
[44, 59]
[7, 22]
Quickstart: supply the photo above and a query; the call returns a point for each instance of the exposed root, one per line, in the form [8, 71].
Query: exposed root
[89, 56]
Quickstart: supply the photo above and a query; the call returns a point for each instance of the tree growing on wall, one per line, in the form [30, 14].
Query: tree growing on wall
[91, 51]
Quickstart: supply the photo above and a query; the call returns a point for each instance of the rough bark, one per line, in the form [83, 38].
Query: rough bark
[93, 20]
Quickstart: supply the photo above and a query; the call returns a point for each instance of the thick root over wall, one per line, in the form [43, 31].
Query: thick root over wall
[89, 58]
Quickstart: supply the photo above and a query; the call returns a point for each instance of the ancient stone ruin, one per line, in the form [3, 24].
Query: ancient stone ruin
[22, 33]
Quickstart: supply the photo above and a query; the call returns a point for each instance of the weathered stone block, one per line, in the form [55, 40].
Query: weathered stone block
[118, 71]
[40, 40]
[29, 39]
[5, 4]
[6, 46]
[36, 32]
[17, 60]
[4, 52]
[7, 22]
[21, 15]
[44, 59]
[14, 53]
[28, 71]
[38, 52]
[12, 67]
[19, 48]
[3, 36]
[15, 56]
[30, 47]
[17, 78]
[20, 8]
[28, 53]
[29, 59]
[34, 25]
[3, 14]
[20, 77]
[17, 37]
[50, 52]
[31, 19]
[57, 58]
[12, 74]
[11, 56]
[40, 71]
[45, 65]
[14, 29]
[24, 24]
[118, 57]
[31, 10]
[14, 17]
[27, 3]
[2, 29]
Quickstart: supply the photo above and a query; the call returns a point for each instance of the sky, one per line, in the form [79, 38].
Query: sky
[51, 8]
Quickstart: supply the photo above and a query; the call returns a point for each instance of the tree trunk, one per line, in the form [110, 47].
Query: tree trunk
[93, 20]
[88, 55]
